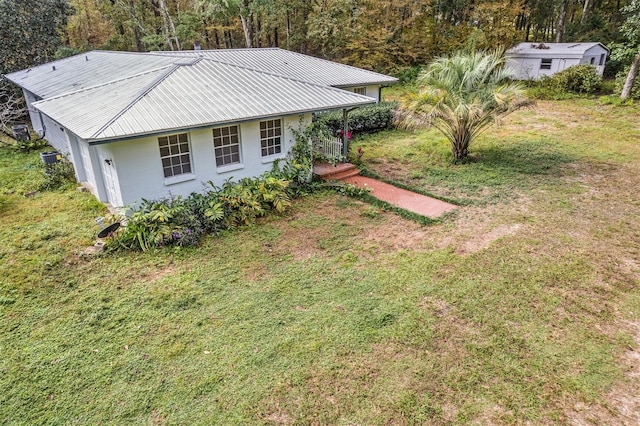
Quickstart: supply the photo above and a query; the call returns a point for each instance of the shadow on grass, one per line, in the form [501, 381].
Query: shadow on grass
[498, 172]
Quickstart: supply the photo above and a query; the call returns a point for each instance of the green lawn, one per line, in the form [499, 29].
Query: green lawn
[521, 307]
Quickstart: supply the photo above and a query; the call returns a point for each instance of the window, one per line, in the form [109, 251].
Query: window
[174, 153]
[226, 144]
[360, 91]
[593, 61]
[271, 137]
[546, 64]
[601, 63]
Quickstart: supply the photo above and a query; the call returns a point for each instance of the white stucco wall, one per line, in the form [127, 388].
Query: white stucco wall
[138, 173]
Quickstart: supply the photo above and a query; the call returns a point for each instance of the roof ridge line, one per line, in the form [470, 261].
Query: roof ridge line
[273, 74]
[84, 89]
[171, 69]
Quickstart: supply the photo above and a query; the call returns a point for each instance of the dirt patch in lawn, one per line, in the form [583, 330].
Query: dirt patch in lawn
[621, 406]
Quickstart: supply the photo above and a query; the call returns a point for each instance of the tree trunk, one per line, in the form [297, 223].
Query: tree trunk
[561, 21]
[631, 77]
[247, 30]
[585, 11]
[168, 23]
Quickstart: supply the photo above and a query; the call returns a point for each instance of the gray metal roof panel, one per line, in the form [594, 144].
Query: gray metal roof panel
[85, 70]
[291, 64]
[188, 96]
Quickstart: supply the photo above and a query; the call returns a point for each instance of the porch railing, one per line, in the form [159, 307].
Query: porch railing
[328, 147]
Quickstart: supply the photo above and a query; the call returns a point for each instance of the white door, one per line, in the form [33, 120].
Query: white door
[109, 175]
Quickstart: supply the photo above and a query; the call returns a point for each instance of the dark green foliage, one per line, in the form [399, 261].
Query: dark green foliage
[30, 145]
[30, 32]
[365, 119]
[57, 176]
[408, 75]
[576, 79]
[173, 221]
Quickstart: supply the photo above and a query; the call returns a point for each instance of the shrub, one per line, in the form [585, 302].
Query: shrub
[57, 176]
[371, 118]
[175, 221]
[576, 79]
[30, 145]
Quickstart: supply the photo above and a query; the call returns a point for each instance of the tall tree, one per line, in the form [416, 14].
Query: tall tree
[631, 29]
[30, 33]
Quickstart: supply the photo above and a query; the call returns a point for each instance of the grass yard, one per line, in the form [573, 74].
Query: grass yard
[522, 307]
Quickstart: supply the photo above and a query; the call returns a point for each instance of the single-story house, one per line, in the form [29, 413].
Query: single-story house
[530, 61]
[143, 125]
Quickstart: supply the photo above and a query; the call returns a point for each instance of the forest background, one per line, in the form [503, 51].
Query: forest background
[389, 36]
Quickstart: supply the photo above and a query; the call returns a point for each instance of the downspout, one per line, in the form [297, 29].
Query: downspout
[44, 128]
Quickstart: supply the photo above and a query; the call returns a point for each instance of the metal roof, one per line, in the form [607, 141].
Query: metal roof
[85, 70]
[291, 64]
[187, 95]
[566, 50]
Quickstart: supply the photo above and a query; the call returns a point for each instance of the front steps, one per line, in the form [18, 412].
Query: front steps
[340, 171]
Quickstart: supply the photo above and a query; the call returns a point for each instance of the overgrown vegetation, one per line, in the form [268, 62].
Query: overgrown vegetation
[522, 308]
[174, 221]
[366, 119]
[576, 79]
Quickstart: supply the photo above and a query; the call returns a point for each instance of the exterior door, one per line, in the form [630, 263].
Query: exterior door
[109, 175]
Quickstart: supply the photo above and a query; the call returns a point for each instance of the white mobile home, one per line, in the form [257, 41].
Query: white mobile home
[530, 61]
[143, 125]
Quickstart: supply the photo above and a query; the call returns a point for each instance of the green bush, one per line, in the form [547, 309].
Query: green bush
[371, 118]
[175, 221]
[57, 176]
[576, 79]
[620, 80]
[30, 145]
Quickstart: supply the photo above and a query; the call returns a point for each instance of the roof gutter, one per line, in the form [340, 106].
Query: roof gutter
[93, 142]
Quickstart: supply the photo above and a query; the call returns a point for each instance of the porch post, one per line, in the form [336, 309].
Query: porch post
[345, 129]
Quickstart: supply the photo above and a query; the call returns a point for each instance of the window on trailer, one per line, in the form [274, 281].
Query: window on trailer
[545, 64]
[360, 91]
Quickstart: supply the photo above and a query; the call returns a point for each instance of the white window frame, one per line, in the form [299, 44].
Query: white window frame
[360, 91]
[171, 158]
[269, 134]
[545, 63]
[223, 147]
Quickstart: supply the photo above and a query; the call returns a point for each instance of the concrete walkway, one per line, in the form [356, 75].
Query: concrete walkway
[416, 203]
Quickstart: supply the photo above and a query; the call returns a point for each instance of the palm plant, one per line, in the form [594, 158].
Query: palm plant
[461, 95]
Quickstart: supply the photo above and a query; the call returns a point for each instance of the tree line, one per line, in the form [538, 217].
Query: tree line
[389, 36]
[383, 35]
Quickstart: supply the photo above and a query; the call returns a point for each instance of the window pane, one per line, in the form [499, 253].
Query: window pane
[184, 147]
[167, 172]
[186, 168]
[278, 131]
[164, 152]
[183, 137]
[234, 139]
[216, 133]
[174, 150]
[163, 141]
[235, 158]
